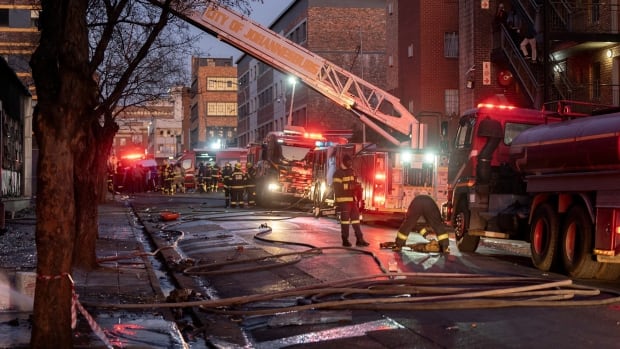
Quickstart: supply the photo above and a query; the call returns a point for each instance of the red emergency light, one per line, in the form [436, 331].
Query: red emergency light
[313, 135]
[132, 156]
[380, 176]
[496, 106]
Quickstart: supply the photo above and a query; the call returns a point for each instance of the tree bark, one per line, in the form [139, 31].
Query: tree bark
[90, 171]
[66, 94]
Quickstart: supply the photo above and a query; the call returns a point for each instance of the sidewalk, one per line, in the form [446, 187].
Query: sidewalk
[126, 276]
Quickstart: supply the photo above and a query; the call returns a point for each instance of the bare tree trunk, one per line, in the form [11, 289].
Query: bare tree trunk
[66, 98]
[91, 170]
[54, 239]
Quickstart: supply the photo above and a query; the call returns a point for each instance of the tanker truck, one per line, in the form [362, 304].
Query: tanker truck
[549, 177]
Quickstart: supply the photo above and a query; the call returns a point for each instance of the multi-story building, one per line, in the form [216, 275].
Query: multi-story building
[19, 37]
[577, 52]
[16, 178]
[213, 114]
[423, 63]
[351, 34]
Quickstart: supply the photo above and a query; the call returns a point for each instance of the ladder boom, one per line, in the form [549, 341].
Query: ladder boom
[372, 105]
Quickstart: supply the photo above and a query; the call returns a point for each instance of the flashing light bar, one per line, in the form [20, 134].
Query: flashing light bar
[132, 156]
[313, 135]
[495, 106]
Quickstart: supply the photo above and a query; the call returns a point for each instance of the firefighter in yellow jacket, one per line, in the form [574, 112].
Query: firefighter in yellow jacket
[237, 186]
[345, 187]
[423, 206]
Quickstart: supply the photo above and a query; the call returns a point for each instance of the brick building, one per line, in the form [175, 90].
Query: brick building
[19, 36]
[213, 113]
[349, 33]
[423, 64]
[577, 46]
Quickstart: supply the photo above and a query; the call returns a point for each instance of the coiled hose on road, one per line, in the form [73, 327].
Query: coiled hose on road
[387, 291]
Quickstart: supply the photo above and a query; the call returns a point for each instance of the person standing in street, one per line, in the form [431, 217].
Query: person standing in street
[237, 186]
[226, 179]
[345, 187]
[250, 184]
[423, 206]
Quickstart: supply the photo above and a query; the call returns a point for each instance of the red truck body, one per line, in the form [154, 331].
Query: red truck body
[544, 177]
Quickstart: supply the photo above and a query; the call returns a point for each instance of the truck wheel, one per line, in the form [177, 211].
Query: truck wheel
[577, 239]
[464, 241]
[544, 238]
[608, 271]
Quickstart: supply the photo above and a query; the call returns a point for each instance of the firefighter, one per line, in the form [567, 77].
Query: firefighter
[208, 178]
[178, 179]
[201, 178]
[168, 177]
[237, 186]
[345, 187]
[216, 178]
[250, 184]
[226, 177]
[423, 206]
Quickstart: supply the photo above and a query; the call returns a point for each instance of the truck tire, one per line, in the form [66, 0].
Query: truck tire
[577, 240]
[464, 241]
[608, 271]
[545, 237]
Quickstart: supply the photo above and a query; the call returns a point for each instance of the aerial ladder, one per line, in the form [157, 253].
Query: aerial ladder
[375, 107]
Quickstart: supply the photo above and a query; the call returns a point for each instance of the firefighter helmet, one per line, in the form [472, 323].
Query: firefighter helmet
[238, 166]
[248, 165]
[227, 164]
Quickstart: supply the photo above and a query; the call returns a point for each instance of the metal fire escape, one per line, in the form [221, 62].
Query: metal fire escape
[565, 26]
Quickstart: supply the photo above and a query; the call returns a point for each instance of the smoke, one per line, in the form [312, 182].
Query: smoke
[11, 298]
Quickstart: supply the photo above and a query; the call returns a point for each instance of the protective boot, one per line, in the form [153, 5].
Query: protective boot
[344, 232]
[360, 242]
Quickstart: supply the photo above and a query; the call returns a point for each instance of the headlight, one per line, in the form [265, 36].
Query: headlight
[273, 187]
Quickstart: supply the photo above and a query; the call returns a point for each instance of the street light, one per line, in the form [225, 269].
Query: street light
[293, 81]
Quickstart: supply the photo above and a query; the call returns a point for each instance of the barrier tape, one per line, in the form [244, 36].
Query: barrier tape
[76, 305]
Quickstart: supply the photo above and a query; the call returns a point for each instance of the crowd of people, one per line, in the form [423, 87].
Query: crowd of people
[238, 185]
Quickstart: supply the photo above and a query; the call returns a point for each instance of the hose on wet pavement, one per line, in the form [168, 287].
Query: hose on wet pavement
[391, 291]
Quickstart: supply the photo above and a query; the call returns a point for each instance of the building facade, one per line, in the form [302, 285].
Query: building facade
[423, 62]
[577, 52]
[19, 36]
[16, 173]
[351, 34]
[213, 112]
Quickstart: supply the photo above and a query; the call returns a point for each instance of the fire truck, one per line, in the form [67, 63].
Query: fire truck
[389, 179]
[190, 161]
[284, 163]
[373, 106]
[547, 176]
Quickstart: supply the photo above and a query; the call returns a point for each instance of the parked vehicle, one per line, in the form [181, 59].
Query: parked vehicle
[549, 177]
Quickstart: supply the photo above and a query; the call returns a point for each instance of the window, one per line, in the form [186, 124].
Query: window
[221, 109]
[596, 11]
[451, 102]
[513, 130]
[298, 34]
[4, 17]
[410, 51]
[451, 45]
[221, 84]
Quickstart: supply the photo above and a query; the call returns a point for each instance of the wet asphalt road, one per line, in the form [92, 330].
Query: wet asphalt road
[222, 253]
